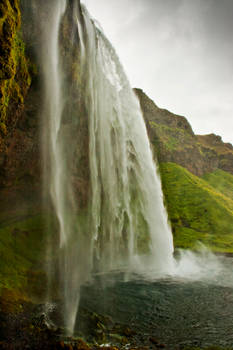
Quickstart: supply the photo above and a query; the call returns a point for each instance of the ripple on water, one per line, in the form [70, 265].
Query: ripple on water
[175, 309]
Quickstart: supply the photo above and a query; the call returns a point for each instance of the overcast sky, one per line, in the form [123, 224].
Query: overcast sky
[180, 52]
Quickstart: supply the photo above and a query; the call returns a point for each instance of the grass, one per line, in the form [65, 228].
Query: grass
[221, 181]
[197, 210]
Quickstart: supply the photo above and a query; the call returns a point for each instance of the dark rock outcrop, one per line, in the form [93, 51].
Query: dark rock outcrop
[21, 219]
[19, 136]
[152, 113]
[217, 152]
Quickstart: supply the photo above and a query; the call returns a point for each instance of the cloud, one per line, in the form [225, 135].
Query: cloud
[180, 52]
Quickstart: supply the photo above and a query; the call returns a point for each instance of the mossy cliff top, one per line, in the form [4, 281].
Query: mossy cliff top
[175, 141]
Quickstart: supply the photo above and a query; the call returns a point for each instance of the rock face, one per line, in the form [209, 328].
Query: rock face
[25, 212]
[175, 141]
[217, 152]
[19, 146]
[14, 66]
[21, 222]
[75, 115]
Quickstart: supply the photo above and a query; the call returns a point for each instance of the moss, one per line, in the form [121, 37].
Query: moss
[14, 65]
[11, 301]
[171, 138]
[197, 210]
[22, 246]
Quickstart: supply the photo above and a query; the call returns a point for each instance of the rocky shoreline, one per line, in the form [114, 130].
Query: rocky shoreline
[28, 326]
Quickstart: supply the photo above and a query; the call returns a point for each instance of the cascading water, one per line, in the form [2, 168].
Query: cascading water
[124, 219]
[128, 214]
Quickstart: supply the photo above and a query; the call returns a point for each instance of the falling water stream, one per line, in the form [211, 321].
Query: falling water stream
[110, 246]
[127, 222]
[127, 203]
[98, 166]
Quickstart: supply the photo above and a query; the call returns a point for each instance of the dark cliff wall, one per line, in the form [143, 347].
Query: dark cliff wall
[14, 66]
[75, 116]
[216, 152]
[26, 215]
[18, 126]
[21, 224]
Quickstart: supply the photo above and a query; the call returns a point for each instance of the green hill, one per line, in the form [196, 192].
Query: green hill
[221, 181]
[197, 177]
[197, 210]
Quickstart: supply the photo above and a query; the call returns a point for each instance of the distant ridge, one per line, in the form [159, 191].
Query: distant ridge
[176, 142]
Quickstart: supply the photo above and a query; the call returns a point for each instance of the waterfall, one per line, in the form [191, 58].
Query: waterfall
[128, 214]
[123, 224]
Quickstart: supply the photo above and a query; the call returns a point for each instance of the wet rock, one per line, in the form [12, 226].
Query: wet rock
[153, 340]
[128, 332]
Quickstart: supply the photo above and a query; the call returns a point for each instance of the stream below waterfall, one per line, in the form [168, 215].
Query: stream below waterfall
[179, 311]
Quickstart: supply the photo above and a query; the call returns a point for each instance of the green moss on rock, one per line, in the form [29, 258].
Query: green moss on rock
[14, 66]
[22, 249]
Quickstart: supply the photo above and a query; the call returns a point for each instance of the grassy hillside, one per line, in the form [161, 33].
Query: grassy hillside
[197, 210]
[221, 181]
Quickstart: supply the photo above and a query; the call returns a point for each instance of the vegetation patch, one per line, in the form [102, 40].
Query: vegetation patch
[221, 181]
[22, 249]
[197, 210]
[172, 138]
[15, 78]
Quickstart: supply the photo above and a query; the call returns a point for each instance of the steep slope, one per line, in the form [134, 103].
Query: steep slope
[15, 78]
[216, 151]
[197, 210]
[175, 141]
[21, 221]
[221, 181]
[19, 146]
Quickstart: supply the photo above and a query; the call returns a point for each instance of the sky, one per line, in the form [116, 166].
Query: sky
[180, 52]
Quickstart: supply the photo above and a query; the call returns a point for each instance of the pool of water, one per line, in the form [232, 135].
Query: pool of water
[182, 309]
